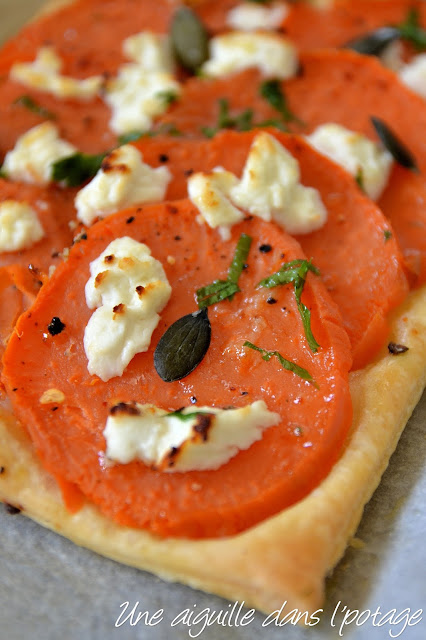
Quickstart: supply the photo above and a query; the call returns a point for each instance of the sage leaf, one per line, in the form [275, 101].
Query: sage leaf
[400, 153]
[374, 43]
[183, 346]
[189, 39]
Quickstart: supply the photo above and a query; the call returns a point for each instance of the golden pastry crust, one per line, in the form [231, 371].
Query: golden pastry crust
[286, 557]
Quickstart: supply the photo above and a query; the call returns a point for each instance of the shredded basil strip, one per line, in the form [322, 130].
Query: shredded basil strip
[216, 292]
[132, 136]
[240, 257]
[29, 103]
[411, 30]
[359, 178]
[185, 417]
[168, 97]
[271, 91]
[166, 128]
[77, 168]
[387, 234]
[295, 273]
[272, 122]
[241, 122]
[286, 364]
[400, 153]
[222, 289]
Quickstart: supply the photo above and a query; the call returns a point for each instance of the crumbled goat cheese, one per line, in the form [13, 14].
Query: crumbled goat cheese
[150, 51]
[273, 55]
[44, 75]
[209, 192]
[168, 443]
[141, 90]
[355, 153]
[249, 16]
[34, 154]
[20, 227]
[129, 288]
[269, 188]
[413, 74]
[123, 179]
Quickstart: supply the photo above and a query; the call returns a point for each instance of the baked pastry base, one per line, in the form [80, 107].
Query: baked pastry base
[286, 557]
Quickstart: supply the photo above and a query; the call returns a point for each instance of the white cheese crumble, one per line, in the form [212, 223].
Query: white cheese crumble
[34, 154]
[210, 192]
[355, 153]
[123, 179]
[141, 90]
[20, 227]
[413, 74]
[137, 97]
[43, 74]
[249, 16]
[273, 55]
[130, 289]
[168, 443]
[150, 51]
[270, 188]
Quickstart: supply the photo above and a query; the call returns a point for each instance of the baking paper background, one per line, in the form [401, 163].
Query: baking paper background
[52, 590]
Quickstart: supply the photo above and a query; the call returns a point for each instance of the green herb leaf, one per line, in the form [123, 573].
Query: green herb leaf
[77, 168]
[132, 136]
[3, 174]
[183, 346]
[387, 234]
[32, 105]
[290, 272]
[166, 129]
[400, 153]
[240, 122]
[216, 292]
[189, 39]
[277, 124]
[359, 178]
[272, 91]
[411, 30]
[373, 43]
[209, 132]
[168, 97]
[222, 289]
[286, 364]
[185, 417]
[295, 273]
[240, 258]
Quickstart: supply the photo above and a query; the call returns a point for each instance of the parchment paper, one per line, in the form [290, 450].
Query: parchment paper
[50, 589]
